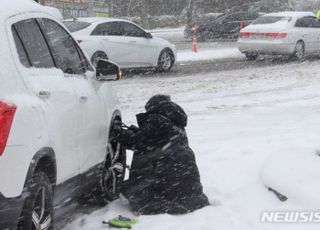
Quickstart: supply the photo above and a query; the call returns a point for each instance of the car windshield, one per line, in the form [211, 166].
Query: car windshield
[271, 19]
[74, 26]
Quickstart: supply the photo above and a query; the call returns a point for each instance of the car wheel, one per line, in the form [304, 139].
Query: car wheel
[98, 56]
[165, 61]
[299, 51]
[251, 56]
[38, 208]
[112, 173]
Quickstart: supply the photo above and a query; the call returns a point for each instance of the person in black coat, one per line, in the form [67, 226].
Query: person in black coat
[164, 177]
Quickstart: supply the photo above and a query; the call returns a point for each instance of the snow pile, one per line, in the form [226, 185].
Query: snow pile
[237, 120]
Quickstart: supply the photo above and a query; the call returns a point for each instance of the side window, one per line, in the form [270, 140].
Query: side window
[66, 51]
[20, 49]
[109, 28]
[239, 17]
[131, 30]
[305, 22]
[315, 23]
[35, 45]
[232, 18]
[249, 16]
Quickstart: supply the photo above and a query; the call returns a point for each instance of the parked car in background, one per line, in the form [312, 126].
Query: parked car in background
[225, 26]
[123, 42]
[203, 19]
[283, 33]
[57, 117]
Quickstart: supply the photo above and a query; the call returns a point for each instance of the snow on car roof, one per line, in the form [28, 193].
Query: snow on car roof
[291, 14]
[97, 19]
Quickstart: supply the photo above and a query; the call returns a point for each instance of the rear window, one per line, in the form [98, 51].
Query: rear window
[74, 26]
[271, 19]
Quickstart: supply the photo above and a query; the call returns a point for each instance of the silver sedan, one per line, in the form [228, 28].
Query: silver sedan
[284, 33]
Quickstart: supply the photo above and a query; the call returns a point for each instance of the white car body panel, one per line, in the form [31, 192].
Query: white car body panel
[128, 52]
[263, 45]
[60, 122]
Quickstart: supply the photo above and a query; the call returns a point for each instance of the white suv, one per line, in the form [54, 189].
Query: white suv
[56, 120]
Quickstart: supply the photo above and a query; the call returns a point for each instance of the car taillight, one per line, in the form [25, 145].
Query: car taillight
[276, 35]
[7, 112]
[244, 34]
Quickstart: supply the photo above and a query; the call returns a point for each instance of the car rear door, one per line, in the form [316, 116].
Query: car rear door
[54, 92]
[91, 118]
[109, 34]
[306, 31]
[141, 50]
[315, 25]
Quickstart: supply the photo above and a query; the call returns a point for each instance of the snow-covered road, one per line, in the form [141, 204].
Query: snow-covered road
[237, 119]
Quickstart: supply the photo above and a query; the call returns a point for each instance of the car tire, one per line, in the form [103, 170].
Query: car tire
[251, 56]
[112, 172]
[165, 61]
[98, 56]
[38, 211]
[299, 51]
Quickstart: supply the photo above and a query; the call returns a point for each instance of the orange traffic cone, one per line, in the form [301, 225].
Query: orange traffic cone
[194, 44]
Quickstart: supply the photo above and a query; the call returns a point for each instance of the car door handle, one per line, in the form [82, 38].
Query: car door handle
[133, 42]
[83, 99]
[105, 39]
[44, 94]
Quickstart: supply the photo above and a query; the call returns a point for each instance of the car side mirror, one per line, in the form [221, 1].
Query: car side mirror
[148, 35]
[107, 71]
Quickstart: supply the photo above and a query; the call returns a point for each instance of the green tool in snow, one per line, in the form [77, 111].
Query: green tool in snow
[121, 222]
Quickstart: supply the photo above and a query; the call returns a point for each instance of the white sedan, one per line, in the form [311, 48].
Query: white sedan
[123, 42]
[285, 33]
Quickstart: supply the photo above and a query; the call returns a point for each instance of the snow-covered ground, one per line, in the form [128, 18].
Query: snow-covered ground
[209, 54]
[206, 51]
[237, 120]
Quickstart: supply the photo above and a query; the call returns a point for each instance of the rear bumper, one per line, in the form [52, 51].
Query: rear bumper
[266, 47]
[10, 211]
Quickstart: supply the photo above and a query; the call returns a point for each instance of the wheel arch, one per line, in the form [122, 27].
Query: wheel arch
[116, 116]
[44, 160]
[303, 42]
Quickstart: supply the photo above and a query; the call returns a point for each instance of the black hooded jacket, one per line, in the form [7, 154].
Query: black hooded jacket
[163, 160]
